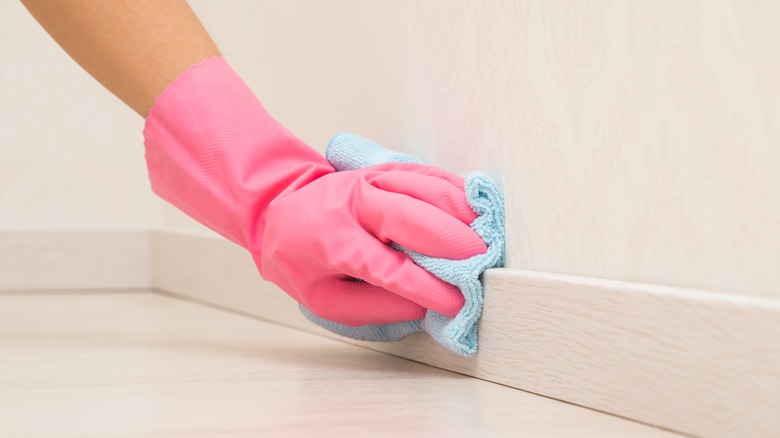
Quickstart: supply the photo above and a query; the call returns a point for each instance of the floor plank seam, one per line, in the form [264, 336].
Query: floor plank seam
[74, 291]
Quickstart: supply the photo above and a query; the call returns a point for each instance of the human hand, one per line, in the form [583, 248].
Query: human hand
[326, 244]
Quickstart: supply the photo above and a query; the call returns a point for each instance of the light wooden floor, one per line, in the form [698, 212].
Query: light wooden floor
[143, 364]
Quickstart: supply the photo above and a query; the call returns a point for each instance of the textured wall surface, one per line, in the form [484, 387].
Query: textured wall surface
[71, 154]
[635, 140]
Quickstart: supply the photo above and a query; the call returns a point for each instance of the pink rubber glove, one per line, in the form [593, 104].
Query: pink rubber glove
[215, 153]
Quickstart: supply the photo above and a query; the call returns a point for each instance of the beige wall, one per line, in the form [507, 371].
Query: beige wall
[71, 154]
[635, 140]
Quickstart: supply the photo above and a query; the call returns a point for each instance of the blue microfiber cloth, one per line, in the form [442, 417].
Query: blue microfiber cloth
[459, 334]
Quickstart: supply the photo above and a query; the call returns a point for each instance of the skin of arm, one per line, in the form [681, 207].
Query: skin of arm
[133, 47]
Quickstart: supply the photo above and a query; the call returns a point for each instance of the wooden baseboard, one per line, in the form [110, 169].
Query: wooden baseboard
[698, 362]
[75, 259]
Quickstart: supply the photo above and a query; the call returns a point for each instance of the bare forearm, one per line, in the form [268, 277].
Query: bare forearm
[133, 47]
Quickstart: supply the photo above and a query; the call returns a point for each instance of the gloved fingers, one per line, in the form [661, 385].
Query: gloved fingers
[416, 225]
[355, 303]
[421, 169]
[374, 262]
[436, 191]
[440, 173]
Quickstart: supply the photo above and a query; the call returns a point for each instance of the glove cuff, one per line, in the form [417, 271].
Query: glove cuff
[214, 152]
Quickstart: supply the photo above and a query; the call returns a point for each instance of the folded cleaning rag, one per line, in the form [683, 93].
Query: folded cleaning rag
[459, 334]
